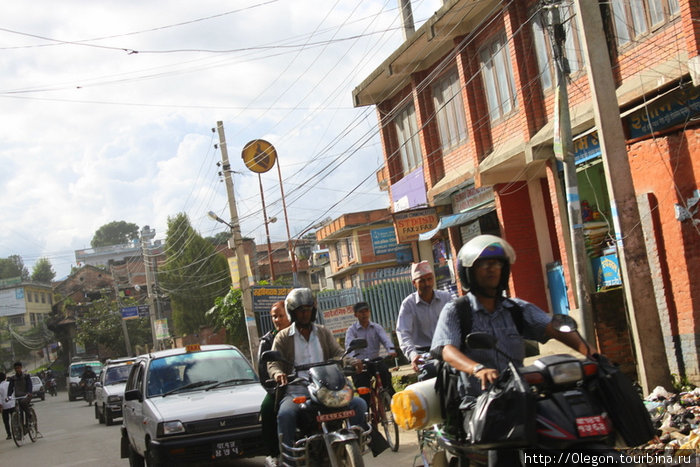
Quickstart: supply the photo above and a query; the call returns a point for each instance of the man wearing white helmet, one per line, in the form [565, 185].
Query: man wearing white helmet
[484, 269]
[301, 343]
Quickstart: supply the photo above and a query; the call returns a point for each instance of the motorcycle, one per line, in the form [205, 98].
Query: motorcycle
[551, 406]
[51, 385]
[88, 385]
[324, 433]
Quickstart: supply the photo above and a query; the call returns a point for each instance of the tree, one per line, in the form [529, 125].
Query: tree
[193, 275]
[13, 266]
[115, 233]
[221, 238]
[43, 271]
[228, 314]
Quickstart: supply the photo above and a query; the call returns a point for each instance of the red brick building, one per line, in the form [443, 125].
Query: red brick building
[466, 115]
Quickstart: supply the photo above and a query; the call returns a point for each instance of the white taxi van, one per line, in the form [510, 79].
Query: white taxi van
[191, 405]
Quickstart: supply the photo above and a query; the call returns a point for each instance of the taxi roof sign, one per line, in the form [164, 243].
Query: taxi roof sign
[193, 348]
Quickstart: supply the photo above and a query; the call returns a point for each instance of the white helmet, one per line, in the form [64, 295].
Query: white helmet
[482, 247]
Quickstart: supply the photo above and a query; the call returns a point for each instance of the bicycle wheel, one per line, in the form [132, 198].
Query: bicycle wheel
[389, 426]
[16, 426]
[31, 424]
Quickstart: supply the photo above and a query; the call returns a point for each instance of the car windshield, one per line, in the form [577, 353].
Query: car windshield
[194, 370]
[117, 374]
[76, 371]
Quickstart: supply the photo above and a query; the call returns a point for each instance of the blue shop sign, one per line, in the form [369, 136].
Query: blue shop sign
[665, 112]
[586, 148]
[607, 271]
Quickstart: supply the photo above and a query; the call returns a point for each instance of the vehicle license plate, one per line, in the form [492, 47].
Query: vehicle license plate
[224, 449]
[327, 417]
[596, 425]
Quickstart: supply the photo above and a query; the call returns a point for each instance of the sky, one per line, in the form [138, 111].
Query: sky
[108, 111]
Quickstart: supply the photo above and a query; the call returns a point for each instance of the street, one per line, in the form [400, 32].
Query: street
[72, 436]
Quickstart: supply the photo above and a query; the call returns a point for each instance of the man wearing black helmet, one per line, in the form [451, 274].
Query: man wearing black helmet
[484, 269]
[303, 342]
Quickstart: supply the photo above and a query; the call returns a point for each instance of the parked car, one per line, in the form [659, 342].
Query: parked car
[190, 405]
[38, 389]
[109, 389]
[75, 371]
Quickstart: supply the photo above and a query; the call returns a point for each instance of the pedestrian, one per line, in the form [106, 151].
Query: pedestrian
[419, 313]
[280, 321]
[376, 336]
[7, 404]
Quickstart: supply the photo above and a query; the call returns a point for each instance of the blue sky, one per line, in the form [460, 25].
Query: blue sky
[108, 110]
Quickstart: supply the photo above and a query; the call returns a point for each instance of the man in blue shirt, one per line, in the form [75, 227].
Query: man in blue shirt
[375, 335]
[419, 312]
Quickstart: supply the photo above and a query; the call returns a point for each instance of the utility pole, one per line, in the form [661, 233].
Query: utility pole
[127, 342]
[563, 150]
[152, 312]
[642, 313]
[251, 327]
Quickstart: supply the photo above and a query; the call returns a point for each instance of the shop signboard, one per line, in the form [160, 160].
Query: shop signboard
[338, 320]
[586, 147]
[409, 224]
[409, 192]
[665, 112]
[470, 197]
[384, 242]
[607, 271]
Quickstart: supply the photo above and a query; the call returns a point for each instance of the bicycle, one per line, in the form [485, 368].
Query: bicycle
[380, 404]
[17, 429]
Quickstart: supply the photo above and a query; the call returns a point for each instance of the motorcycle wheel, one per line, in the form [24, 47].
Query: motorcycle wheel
[390, 428]
[349, 454]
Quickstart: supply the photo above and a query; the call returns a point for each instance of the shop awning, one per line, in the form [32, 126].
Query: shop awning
[457, 219]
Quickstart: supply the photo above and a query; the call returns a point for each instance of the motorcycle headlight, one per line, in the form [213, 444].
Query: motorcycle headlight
[170, 428]
[563, 373]
[339, 398]
[114, 399]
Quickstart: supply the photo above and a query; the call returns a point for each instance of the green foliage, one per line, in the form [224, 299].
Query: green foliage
[43, 271]
[101, 324]
[228, 314]
[115, 233]
[221, 238]
[194, 275]
[681, 383]
[13, 266]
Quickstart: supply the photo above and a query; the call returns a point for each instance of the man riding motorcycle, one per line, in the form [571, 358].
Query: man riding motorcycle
[484, 269]
[88, 373]
[301, 343]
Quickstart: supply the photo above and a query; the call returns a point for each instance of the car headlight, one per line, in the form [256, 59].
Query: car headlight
[170, 428]
[114, 399]
[339, 398]
[563, 373]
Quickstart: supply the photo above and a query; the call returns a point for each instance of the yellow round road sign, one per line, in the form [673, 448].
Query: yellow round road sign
[259, 155]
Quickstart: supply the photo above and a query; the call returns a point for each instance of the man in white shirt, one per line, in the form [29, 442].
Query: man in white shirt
[419, 312]
[6, 406]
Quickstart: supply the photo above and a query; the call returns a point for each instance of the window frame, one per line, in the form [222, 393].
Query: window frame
[350, 249]
[408, 138]
[497, 82]
[339, 253]
[634, 12]
[449, 110]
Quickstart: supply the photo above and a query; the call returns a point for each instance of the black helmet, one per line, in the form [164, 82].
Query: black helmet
[296, 298]
[484, 247]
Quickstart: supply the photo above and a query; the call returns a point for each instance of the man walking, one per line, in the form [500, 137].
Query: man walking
[419, 312]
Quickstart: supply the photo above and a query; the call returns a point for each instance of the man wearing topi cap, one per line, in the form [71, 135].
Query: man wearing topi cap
[419, 312]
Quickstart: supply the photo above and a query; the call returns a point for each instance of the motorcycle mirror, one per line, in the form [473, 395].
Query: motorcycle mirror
[564, 323]
[481, 340]
[271, 356]
[356, 344]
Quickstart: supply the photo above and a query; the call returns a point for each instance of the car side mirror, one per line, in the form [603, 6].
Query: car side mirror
[133, 395]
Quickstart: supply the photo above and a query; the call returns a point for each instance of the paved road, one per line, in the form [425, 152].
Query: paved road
[72, 436]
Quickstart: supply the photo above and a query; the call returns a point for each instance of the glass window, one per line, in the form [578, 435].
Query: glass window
[544, 46]
[29, 296]
[43, 297]
[351, 252]
[449, 110]
[409, 141]
[498, 78]
[339, 253]
[633, 18]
